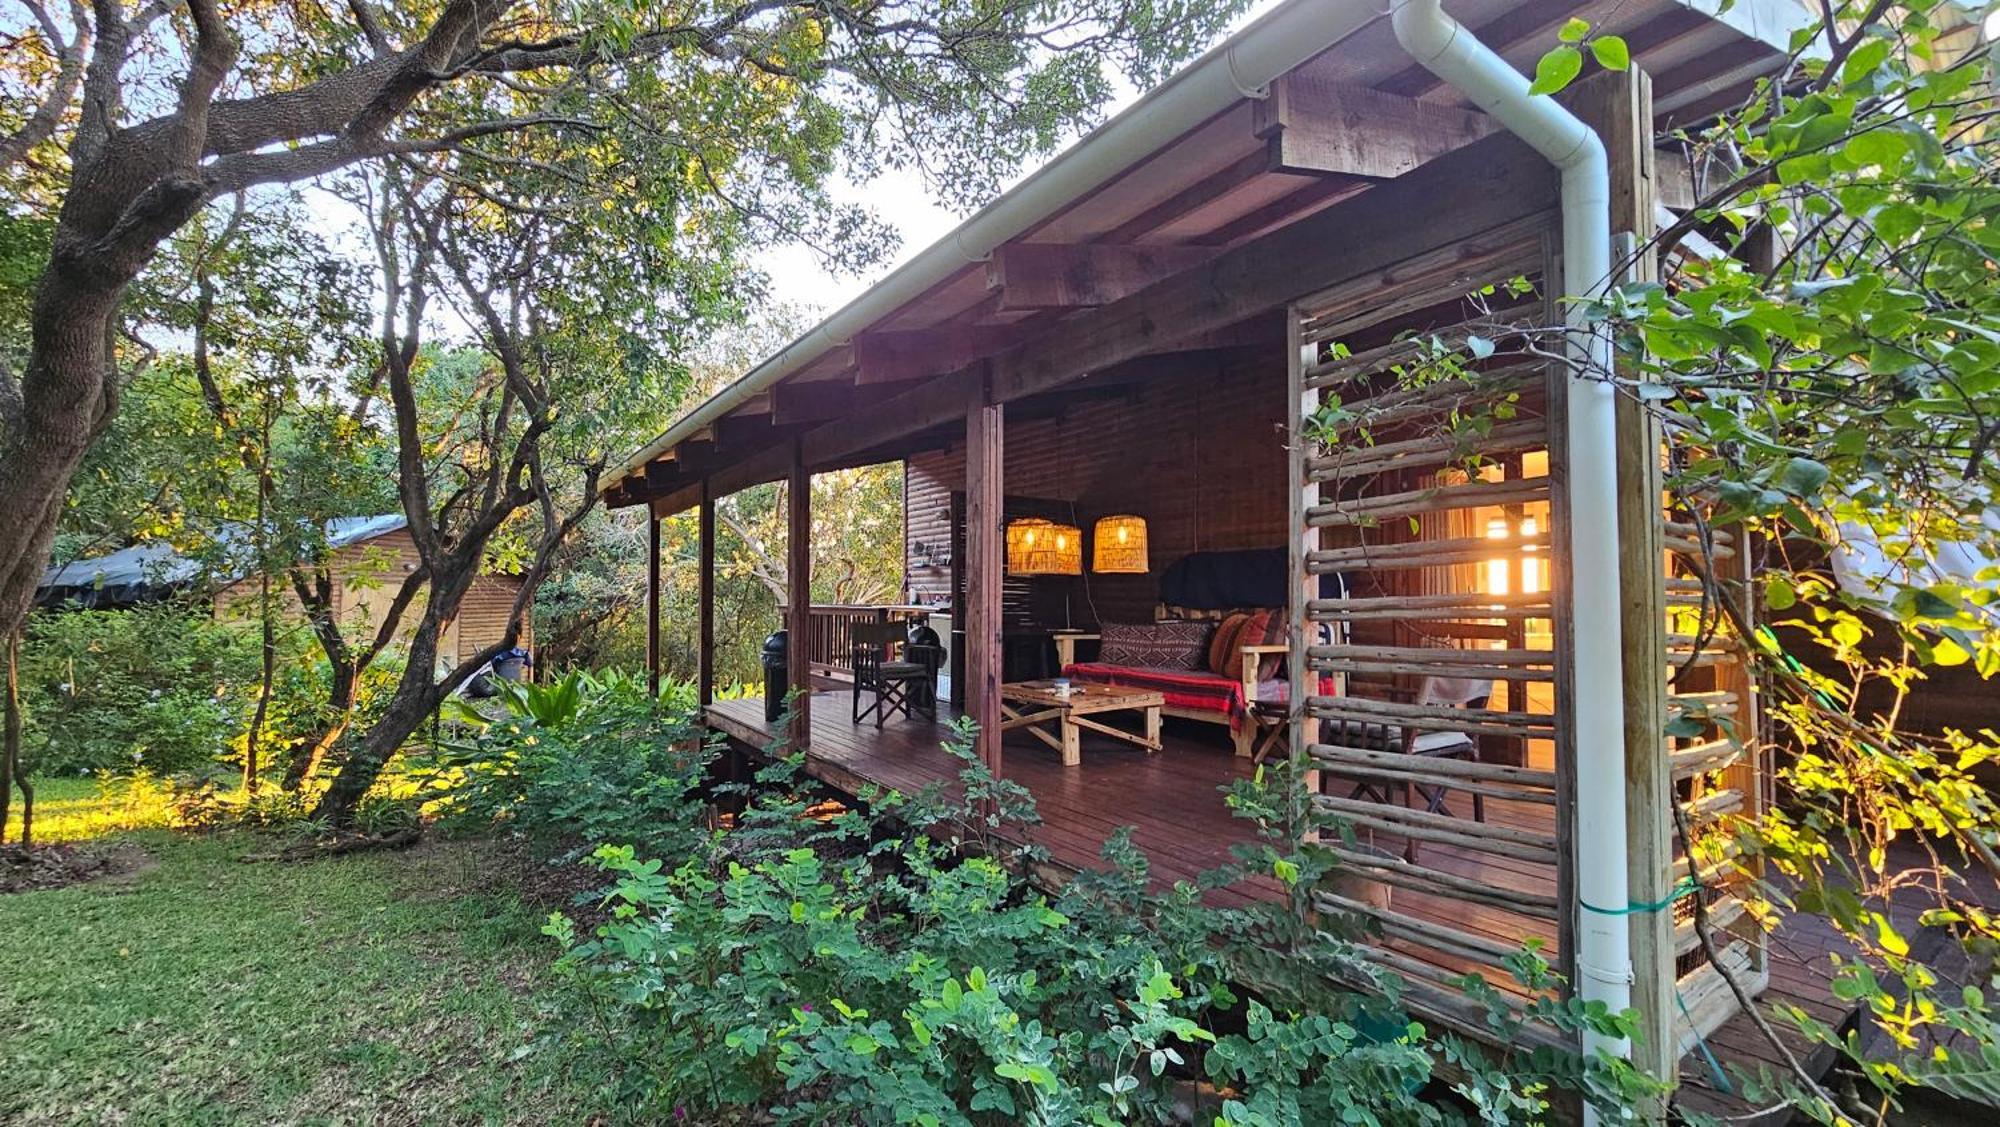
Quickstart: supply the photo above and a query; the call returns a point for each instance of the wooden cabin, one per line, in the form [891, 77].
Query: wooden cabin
[1206, 316]
[368, 559]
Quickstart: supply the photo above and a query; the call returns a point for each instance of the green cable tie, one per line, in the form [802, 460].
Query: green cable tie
[1681, 888]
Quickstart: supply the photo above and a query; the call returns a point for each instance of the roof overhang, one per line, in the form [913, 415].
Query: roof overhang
[1308, 106]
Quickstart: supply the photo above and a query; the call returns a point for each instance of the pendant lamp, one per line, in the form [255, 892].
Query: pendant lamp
[1036, 546]
[1119, 546]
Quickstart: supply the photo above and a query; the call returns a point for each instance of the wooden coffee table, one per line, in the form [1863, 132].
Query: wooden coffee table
[1058, 719]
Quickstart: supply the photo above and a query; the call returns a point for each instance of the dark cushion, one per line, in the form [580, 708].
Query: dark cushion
[1154, 645]
[1222, 647]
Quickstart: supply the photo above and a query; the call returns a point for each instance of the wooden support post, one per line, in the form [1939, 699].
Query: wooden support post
[984, 558]
[1619, 105]
[1303, 490]
[704, 660]
[652, 604]
[798, 582]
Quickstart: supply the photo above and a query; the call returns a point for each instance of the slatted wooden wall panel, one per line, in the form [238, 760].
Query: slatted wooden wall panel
[1200, 455]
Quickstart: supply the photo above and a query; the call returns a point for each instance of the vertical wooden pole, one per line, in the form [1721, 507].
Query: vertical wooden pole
[1303, 538]
[798, 580]
[705, 632]
[984, 556]
[1619, 105]
[652, 602]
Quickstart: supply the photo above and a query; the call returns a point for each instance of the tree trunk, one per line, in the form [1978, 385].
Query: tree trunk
[418, 694]
[66, 398]
[10, 750]
[306, 757]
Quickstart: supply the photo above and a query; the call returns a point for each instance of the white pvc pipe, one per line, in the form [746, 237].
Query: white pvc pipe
[1241, 67]
[1448, 50]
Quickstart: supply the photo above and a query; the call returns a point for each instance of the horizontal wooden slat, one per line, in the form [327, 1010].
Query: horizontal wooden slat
[1414, 774]
[1472, 671]
[1422, 825]
[1702, 758]
[1426, 933]
[1405, 874]
[1435, 718]
[1353, 459]
[1460, 604]
[1421, 553]
[1339, 755]
[1437, 499]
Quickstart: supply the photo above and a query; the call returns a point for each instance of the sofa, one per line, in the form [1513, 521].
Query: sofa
[1212, 671]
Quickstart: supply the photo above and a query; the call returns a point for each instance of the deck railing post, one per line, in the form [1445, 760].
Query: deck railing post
[652, 603]
[798, 580]
[705, 631]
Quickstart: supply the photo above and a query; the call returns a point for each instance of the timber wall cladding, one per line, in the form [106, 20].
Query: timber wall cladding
[367, 576]
[1201, 456]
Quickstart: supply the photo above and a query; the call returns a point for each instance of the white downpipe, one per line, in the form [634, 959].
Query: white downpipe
[1448, 50]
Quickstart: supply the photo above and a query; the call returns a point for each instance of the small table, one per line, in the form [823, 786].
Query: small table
[1038, 706]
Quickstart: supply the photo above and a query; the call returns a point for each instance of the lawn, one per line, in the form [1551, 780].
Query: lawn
[390, 988]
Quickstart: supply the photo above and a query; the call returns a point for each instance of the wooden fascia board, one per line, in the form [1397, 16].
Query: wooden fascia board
[1312, 124]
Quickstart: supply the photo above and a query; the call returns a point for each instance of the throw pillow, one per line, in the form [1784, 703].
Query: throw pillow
[1157, 645]
[1250, 633]
[1222, 645]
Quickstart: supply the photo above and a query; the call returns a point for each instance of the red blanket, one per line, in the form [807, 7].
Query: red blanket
[1182, 688]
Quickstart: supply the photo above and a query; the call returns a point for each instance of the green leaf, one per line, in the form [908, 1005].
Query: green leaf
[1573, 30]
[1611, 52]
[1803, 477]
[1556, 70]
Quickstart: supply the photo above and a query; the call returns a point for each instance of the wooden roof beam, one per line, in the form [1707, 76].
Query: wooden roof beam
[1035, 276]
[898, 357]
[1314, 125]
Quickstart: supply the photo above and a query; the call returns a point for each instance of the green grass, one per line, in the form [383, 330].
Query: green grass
[389, 988]
[82, 809]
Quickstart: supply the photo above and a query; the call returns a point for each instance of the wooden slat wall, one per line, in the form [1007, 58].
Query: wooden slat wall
[383, 561]
[1201, 456]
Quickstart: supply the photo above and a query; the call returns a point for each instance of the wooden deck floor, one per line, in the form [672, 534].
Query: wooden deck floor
[1173, 802]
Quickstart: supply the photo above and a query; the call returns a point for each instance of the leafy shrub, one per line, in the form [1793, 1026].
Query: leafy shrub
[160, 688]
[582, 760]
[897, 966]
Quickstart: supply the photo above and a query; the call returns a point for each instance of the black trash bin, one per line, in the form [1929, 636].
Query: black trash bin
[777, 674]
[925, 646]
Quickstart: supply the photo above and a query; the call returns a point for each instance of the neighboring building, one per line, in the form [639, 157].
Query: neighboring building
[371, 555]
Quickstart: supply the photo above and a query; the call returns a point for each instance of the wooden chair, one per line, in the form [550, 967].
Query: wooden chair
[907, 684]
[1448, 692]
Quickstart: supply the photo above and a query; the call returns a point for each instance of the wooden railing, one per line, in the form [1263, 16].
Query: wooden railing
[829, 640]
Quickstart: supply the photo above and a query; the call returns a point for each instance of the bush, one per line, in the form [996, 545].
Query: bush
[160, 688]
[575, 763]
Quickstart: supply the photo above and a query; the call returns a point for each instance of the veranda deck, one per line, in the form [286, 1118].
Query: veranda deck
[1173, 802]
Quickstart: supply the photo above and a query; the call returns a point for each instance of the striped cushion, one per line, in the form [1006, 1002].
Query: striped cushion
[1222, 647]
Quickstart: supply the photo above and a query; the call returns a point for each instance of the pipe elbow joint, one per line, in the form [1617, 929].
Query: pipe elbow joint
[1423, 28]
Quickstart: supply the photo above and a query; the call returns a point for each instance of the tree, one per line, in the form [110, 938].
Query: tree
[1823, 353]
[751, 102]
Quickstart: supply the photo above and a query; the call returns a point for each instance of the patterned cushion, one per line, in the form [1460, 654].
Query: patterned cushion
[1154, 645]
[1223, 645]
[1251, 632]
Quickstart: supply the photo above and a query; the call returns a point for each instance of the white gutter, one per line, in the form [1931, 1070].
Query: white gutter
[1241, 67]
[1448, 50]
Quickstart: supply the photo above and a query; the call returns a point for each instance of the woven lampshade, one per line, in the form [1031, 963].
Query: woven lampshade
[1119, 546]
[1042, 547]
